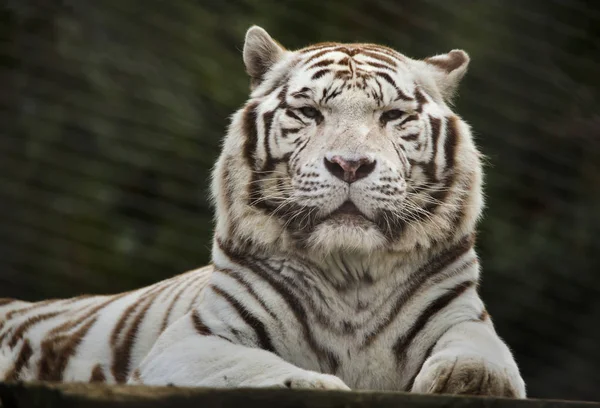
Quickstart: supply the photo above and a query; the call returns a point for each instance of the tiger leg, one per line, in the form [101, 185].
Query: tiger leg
[470, 359]
[184, 356]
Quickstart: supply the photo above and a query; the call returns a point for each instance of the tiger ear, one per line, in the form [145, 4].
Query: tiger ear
[448, 70]
[261, 52]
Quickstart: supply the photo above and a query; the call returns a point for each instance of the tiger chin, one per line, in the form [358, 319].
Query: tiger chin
[347, 195]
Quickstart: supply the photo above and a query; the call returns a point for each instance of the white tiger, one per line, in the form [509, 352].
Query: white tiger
[347, 195]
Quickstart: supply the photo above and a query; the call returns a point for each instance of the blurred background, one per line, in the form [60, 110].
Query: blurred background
[111, 115]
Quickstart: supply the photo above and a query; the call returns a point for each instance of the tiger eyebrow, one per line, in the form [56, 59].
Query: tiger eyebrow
[302, 93]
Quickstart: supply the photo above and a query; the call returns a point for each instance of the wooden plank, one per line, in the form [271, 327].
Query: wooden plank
[45, 395]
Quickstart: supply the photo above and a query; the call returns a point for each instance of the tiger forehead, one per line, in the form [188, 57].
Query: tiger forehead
[376, 71]
[361, 54]
[352, 48]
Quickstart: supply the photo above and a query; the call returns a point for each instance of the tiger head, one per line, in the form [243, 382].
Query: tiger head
[346, 147]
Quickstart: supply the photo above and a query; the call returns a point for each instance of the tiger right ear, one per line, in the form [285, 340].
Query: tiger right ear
[447, 71]
[261, 52]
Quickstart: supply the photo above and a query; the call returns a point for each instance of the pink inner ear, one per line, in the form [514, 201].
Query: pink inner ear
[448, 62]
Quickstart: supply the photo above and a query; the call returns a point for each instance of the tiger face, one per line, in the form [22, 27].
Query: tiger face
[346, 146]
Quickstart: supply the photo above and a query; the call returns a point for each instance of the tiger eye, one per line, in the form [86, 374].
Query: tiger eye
[390, 115]
[310, 112]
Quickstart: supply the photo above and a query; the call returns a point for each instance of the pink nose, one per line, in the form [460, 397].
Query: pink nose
[350, 170]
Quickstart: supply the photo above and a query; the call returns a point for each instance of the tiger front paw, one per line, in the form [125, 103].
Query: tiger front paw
[305, 379]
[470, 375]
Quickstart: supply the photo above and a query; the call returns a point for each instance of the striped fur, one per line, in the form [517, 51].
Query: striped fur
[347, 195]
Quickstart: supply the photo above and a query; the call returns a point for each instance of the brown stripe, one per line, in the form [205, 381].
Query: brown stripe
[30, 322]
[323, 63]
[136, 375]
[97, 375]
[34, 306]
[57, 351]
[114, 337]
[378, 56]
[122, 352]
[22, 359]
[484, 315]
[433, 267]
[6, 301]
[384, 50]
[194, 298]
[251, 320]
[402, 344]
[319, 46]
[377, 65]
[318, 54]
[169, 310]
[68, 325]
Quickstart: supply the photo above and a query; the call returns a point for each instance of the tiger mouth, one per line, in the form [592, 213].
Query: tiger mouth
[348, 209]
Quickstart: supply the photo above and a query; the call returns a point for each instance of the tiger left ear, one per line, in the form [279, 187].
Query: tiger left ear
[261, 52]
[448, 70]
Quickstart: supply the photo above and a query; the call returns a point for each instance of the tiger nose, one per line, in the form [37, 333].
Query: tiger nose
[349, 169]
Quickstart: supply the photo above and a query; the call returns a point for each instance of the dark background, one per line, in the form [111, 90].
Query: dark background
[112, 111]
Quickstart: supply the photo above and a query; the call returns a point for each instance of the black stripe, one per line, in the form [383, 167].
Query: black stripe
[421, 100]
[411, 382]
[320, 73]
[248, 289]
[251, 320]
[430, 168]
[294, 304]
[433, 267]
[291, 114]
[402, 344]
[199, 325]
[406, 120]
[249, 128]
[399, 94]
[451, 142]
[410, 137]
[268, 122]
[334, 93]
[289, 131]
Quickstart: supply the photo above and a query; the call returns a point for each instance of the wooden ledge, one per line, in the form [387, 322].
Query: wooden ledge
[46, 395]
